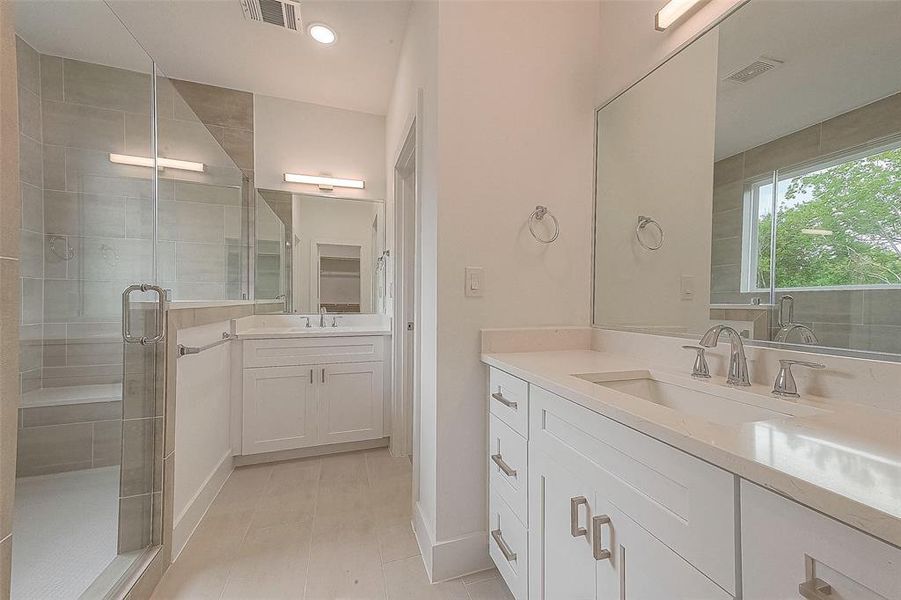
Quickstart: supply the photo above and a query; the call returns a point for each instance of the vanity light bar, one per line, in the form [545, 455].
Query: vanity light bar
[672, 12]
[144, 161]
[325, 182]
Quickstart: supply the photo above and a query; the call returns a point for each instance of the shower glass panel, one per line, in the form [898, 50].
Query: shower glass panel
[86, 488]
[202, 242]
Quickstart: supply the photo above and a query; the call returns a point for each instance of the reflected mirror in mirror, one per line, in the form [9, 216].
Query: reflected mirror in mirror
[787, 145]
[318, 252]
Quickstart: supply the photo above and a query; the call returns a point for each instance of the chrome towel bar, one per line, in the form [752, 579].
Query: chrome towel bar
[182, 350]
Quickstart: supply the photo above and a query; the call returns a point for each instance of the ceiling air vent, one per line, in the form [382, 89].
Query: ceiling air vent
[760, 66]
[275, 12]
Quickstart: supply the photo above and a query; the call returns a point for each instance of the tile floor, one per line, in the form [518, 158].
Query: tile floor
[335, 527]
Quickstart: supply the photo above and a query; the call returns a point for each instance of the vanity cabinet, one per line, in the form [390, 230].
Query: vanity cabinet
[301, 392]
[790, 551]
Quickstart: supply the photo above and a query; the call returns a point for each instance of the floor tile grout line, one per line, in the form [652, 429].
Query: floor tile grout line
[306, 579]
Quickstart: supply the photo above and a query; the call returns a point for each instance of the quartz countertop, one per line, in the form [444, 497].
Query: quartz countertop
[843, 460]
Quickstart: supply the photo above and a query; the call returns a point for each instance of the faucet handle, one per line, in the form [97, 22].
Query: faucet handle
[700, 368]
[785, 385]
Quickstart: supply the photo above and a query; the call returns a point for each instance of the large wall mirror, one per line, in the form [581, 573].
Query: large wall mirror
[318, 252]
[754, 179]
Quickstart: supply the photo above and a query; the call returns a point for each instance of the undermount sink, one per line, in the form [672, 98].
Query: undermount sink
[704, 399]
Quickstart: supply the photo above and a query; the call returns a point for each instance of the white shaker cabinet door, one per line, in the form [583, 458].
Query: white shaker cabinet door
[279, 409]
[561, 564]
[351, 399]
[790, 551]
[644, 568]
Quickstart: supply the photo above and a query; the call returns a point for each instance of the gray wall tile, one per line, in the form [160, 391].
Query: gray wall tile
[51, 77]
[91, 172]
[30, 347]
[71, 213]
[137, 450]
[134, 522]
[882, 307]
[199, 263]
[107, 443]
[28, 63]
[79, 126]
[85, 412]
[215, 105]
[783, 152]
[192, 222]
[32, 207]
[32, 300]
[30, 161]
[31, 260]
[871, 122]
[29, 113]
[54, 448]
[54, 162]
[107, 87]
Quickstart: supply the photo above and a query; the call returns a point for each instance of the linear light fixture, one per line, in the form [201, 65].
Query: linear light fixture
[144, 161]
[816, 231]
[325, 182]
[672, 12]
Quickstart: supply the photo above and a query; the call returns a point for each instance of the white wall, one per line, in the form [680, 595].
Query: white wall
[296, 137]
[417, 74]
[655, 158]
[203, 452]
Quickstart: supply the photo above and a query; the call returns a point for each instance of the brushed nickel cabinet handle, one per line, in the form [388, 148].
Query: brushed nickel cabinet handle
[500, 462]
[500, 398]
[323, 374]
[509, 554]
[574, 504]
[815, 589]
[597, 548]
[311, 376]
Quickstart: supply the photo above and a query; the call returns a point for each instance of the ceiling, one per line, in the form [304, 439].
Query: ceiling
[209, 41]
[838, 56]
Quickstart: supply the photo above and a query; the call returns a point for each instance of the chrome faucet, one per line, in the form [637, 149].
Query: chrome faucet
[806, 333]
[738, 362]
[322, 312]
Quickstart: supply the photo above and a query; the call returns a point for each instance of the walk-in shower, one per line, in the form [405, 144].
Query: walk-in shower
[122, 184]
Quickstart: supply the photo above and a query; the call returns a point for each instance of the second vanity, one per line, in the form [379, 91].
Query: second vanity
[304, 386]
[612, 478]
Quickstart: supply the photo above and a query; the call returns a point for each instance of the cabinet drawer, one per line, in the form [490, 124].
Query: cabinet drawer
[785, 545]
[312, 351]
[508, 398]
[508, 546]
[687, 504]
[508, 467]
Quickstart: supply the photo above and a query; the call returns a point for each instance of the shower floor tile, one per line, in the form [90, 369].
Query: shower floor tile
[64, 532]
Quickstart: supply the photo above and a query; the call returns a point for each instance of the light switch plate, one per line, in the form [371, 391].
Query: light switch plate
[474, 284]
[687, 287]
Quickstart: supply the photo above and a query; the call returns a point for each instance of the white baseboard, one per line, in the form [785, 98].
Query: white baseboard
[309, 451]
[187, 521]
[450, 559]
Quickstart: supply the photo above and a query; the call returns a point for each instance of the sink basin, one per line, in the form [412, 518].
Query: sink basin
[704, 399]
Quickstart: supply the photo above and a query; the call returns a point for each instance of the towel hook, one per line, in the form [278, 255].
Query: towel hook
[539, 214]
[644, 222]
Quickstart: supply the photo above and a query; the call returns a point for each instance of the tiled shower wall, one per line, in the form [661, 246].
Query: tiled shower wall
[858, 319]
[78, 204]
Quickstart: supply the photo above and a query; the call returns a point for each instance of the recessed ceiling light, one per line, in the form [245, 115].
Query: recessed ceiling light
[322, 33]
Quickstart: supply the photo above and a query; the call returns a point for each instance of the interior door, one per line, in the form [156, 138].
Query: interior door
[561, 562]
[350, 402]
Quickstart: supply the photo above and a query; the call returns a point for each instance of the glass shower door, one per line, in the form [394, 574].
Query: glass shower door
[90, 415]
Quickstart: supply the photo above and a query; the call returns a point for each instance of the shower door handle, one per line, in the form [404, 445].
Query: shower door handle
[160, 314]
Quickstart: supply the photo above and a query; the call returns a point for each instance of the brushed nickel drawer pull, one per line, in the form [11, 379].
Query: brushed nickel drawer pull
[574, 504]
[597, 548]
[509, 554]
[500, 462]
[815, 589]
[500, 398]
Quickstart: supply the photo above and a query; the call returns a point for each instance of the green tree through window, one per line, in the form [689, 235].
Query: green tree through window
[838, 226]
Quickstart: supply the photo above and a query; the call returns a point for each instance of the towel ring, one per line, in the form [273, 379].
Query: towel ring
[538, 215]
[644, 222]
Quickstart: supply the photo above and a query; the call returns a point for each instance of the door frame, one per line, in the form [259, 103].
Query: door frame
[406, 293]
